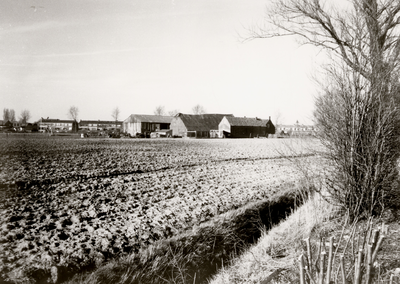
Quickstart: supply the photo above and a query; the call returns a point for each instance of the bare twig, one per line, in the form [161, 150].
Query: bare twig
[309, 255]
[369, 272]
[301, 266]
[342, 269]
[322, 270]
[330, 258]
[375, 253]
[357, 270]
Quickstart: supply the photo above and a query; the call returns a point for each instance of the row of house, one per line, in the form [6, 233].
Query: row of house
[9, 123]
[198, 126]
[181, 125]
[46, 124]
[295, 130]
[17, 125]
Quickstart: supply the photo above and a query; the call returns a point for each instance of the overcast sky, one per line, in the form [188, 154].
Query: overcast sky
[139, 54]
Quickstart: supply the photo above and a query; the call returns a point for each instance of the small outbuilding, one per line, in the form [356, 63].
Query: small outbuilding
[143, 124]
[245, 127]
[197, 125]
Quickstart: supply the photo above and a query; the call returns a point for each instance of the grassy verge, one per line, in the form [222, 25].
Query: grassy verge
[278, 247]
[275, 257]
[196, 255]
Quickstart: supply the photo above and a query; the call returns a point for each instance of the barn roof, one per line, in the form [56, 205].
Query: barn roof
[246, 121]
[201, 122]
[149, 118]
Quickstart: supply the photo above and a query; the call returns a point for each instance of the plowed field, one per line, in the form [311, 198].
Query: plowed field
[76, 203]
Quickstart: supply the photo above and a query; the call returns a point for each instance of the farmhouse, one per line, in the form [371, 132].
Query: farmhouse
[196, 125]
[11, 124]
[245, 127]
[145, 124]
[100, 125]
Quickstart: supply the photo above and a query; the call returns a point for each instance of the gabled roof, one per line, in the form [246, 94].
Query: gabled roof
[246, 121]
[7, 123]
[201, 122]
[149, 118]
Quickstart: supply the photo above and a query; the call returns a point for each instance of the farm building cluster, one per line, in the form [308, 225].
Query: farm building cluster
[180, 125]
[198, 126]
[209, 126]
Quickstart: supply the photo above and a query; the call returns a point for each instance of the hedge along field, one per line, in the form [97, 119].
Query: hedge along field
[77, 203]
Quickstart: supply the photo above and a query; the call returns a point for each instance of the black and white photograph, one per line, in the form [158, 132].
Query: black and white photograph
[199, 141]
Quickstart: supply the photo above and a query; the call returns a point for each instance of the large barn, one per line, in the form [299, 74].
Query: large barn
[245, 127]
[142, 124]
[196, 125]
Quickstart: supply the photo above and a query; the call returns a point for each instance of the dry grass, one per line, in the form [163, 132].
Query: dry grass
[275, 257]
[278, 248]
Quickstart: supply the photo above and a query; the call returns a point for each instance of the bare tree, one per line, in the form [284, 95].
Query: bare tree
[173, 112]
[357, 112]
[198, 109]
[160, 110]
[6, 114]
[12, 115]
[278, 119]
[115, 113]
[25, 116]
[361, 35]
[73, 113]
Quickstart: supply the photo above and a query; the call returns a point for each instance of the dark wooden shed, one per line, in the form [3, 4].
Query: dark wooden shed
[245, 127]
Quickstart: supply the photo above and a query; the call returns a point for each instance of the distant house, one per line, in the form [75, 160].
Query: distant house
[100, 125]
[47, 124]
[10, 124]
[17, 124]
[196, 125]
[295, 130]
[245, 127]
[145, 124]
[4, 125]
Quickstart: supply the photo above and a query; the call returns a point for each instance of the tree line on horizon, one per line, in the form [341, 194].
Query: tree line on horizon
[73, 112]
[9, 115]
[160, 110]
